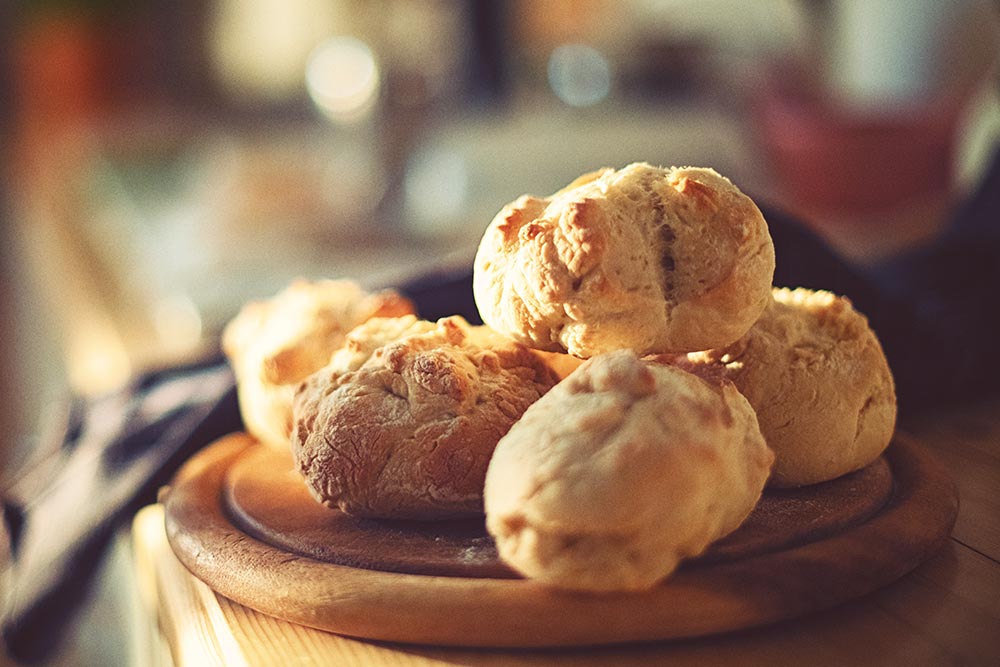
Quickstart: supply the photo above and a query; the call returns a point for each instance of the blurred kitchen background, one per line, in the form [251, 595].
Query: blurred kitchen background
[166, 160]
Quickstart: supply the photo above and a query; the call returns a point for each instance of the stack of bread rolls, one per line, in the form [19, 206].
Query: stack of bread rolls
[636, 385]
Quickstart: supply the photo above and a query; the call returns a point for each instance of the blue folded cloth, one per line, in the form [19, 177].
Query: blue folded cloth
[115, 453]
[935, 311]
[110, 457]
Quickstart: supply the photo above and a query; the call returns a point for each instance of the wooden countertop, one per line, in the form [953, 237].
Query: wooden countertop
[945, 612]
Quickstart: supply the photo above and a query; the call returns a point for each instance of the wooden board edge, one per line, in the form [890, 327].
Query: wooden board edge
[518, 613]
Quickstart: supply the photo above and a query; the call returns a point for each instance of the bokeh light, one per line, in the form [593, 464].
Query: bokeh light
[343, 78]
[579, 74]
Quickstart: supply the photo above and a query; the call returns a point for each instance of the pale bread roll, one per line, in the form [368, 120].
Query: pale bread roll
[621, 471]
[649, 259]
[815, 373]
[274, 344]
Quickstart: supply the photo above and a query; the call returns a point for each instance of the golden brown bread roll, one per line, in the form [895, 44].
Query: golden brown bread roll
[403, 421]
[649, 259]
[274, 344]
[621, 471]
[815, 373]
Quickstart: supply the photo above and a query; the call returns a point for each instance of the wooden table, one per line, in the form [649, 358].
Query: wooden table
[945, 612]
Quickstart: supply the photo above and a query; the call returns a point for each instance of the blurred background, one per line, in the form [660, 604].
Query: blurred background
[166, 160]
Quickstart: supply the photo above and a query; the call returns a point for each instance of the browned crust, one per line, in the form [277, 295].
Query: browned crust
[409, 433]
[649, 259]
[817, 377]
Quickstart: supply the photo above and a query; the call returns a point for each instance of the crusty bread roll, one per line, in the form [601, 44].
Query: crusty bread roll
[815, 373]
[274, 344]
[649, 259]
[622, 470]
[403, 421]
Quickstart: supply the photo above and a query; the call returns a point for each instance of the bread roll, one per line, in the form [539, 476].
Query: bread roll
[621, 471]
[274, 344]
[815, 373]
[403, 421]
[649, 259]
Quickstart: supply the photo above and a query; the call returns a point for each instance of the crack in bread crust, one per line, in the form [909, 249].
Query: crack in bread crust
[606, 263]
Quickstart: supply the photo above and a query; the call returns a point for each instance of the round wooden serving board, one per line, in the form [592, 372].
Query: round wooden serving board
[239, 518]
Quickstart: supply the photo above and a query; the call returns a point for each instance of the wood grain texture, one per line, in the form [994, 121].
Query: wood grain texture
[947, 611]
[267, 499]
[203, 628]
[967, 442]
[495, 612]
